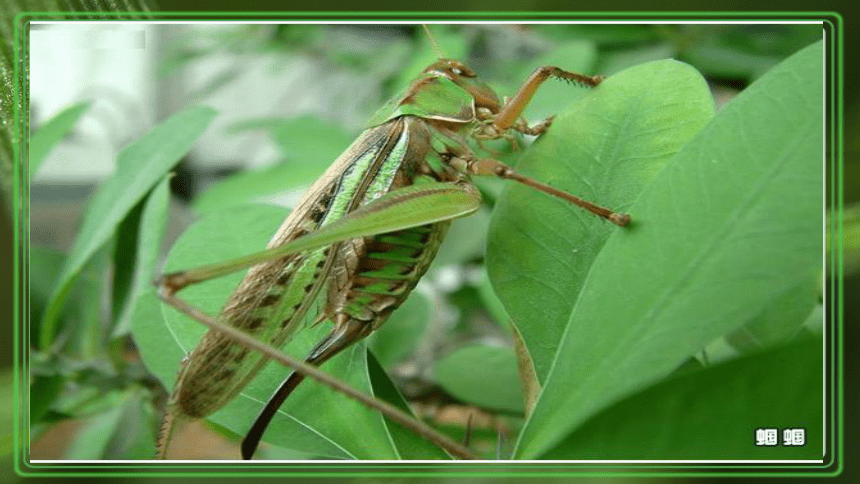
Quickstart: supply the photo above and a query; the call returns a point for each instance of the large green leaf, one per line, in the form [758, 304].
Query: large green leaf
[315, 420]
[731, 224]
[713, 413]
[139, 167]
[253, 185]
[605, 149]
[781, 320]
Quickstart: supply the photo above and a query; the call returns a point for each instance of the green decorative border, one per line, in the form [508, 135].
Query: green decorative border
[834, 411]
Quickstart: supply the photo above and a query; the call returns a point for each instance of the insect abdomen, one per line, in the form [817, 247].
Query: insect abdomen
[389, 269]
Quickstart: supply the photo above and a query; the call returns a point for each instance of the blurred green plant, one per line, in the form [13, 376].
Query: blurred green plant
[52, 132]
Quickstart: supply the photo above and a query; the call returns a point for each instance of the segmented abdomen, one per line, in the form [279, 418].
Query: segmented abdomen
[382, 270]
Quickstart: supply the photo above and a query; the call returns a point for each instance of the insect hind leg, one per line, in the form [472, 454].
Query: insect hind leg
[347, 331]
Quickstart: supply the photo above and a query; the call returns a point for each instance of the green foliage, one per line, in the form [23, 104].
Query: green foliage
[396, 340]
[725, 246]
[308, 144]
[729, 224]
[139, 166]
[607, 149]
[711, 413]
[121, 432]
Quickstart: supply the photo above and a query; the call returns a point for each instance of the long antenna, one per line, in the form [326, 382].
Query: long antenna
[433, 42]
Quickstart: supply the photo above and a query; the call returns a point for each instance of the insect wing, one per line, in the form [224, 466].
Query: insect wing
[273, 298]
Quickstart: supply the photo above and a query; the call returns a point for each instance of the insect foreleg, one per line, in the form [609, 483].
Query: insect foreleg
[514, 107]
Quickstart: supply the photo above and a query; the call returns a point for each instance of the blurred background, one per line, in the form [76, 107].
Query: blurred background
[290, 98]
[135, 75]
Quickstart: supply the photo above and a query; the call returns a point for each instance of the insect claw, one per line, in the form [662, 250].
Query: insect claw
[620, 219]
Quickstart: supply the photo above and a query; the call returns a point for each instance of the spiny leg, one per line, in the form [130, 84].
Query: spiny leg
[346, 332]
[512, 109]
[510, 113]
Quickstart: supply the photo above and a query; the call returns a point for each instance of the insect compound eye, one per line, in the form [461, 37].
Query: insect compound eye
[458, 69]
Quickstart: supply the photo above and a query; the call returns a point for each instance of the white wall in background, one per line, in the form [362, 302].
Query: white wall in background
[110, 64]
[116, 65]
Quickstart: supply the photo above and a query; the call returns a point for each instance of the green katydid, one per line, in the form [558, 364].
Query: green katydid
[359, 240]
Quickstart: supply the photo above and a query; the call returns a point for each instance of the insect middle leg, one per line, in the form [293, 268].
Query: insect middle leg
[536, 129]
[467, 162]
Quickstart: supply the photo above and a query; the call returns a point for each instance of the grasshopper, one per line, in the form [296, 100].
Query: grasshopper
[360, 238]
